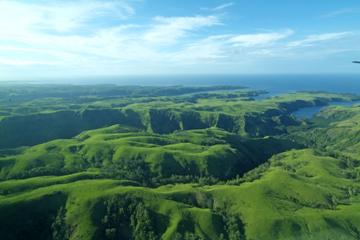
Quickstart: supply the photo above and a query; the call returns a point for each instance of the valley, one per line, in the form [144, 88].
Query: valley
[116, 162]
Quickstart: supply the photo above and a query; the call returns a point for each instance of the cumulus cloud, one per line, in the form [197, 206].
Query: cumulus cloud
[38, 33]
[99, 36]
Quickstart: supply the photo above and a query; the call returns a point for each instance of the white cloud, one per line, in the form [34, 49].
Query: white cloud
[62, 37]
[205, 50]
[170, 29]
[18, 17]
[17, 62]
[313, 39]
[339, 12]
[229, 47]
[72, 16]
[249, 40]
[223, 6]
[62, 32]
[219, 8]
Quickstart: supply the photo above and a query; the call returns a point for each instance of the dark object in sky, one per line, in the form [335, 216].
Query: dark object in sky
[356, 61]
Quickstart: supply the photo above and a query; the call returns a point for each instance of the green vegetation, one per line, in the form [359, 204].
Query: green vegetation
[124, 153]
[108, 162]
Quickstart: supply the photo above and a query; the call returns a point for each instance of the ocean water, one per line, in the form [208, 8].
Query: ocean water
[274, 84]
[309, 112]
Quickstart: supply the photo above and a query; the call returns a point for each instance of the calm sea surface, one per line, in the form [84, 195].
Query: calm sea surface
[275, 84]
[309, 112]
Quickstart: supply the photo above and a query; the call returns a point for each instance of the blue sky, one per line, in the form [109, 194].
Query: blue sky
[48, 39]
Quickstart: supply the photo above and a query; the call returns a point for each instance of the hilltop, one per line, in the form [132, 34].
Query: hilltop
[176, 163]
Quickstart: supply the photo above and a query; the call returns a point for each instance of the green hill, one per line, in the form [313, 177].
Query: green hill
[116, 150]
[188, 163]
[44, 119]
[297, 194]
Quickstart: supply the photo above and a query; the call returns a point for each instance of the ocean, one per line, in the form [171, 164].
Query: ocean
[275, 84]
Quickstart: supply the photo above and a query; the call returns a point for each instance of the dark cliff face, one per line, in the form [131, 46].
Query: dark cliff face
[33, 219]
[295, 105]
[192, 120]
[164, 121]
[258, 126]
[226, 122]
[33, 129]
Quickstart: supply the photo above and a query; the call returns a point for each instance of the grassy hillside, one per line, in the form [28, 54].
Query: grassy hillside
[336, 131]
[116, 150]
[42, 120]
[297, 194]
[176, 163]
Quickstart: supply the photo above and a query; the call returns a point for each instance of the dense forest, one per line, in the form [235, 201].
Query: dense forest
[146, 163]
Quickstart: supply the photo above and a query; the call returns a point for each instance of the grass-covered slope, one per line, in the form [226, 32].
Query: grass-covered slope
[336, 131]
[116, 150]
[42, 120]
[104, 209]
[176, 163]
[298, 195]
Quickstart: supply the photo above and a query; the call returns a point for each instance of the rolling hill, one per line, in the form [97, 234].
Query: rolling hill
[176, 163]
